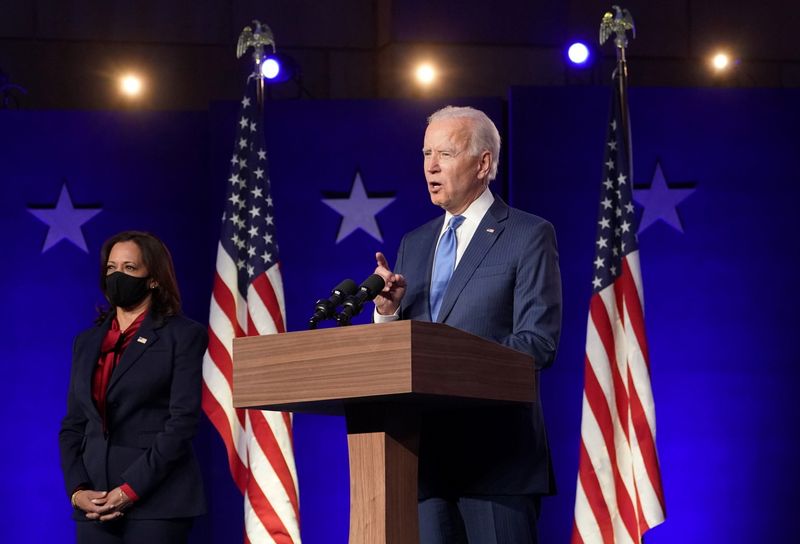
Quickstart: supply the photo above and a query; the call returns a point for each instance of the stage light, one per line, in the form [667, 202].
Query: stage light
[578, 53]
[721, 62]
[270, 68]
[131, 85]
[425, 74]
[277, 68]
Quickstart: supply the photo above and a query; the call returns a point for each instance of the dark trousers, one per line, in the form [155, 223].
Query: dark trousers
[479, 520]
[134, 531]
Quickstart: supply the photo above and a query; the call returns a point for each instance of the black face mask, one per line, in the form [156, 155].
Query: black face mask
[124, 291]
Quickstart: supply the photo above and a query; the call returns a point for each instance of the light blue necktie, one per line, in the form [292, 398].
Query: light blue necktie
[443, 264]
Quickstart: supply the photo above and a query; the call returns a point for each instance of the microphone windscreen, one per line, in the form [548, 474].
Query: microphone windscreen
[348, 288]
[374, 285]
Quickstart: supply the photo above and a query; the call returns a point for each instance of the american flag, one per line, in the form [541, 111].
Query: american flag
[248, 300]
[619, 495]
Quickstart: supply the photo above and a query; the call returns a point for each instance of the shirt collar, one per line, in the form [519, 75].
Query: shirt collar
[475, 211]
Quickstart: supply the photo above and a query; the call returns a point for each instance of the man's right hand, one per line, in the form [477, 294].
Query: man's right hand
[389, 299]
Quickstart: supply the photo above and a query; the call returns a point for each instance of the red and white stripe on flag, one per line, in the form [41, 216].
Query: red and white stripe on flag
[619, 495]
[248, 300]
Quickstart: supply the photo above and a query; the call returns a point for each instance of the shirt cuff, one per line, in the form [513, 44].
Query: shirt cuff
[128, 490]
[378, 318]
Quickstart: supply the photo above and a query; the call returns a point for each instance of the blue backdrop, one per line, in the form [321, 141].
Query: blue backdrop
[717, 294]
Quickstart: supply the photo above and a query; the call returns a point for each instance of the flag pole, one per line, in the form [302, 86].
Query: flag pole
[619, 494]
[618, 23]
[256, 36]
[248, 282]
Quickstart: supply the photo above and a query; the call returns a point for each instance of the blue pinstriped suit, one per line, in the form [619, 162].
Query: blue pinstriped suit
[506, 288]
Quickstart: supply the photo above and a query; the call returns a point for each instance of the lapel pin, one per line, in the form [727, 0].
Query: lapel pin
[142, 340]
[490, 231]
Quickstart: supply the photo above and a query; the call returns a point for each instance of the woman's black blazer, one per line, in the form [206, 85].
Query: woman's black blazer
[153, 408]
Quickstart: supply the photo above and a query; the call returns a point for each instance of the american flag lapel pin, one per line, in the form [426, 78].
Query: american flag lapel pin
[142, 340]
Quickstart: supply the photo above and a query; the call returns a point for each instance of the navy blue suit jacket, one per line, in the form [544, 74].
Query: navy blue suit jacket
[506, 288]
[153, 408]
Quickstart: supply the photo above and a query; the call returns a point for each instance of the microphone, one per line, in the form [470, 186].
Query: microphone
[368, 290]
[325, 309]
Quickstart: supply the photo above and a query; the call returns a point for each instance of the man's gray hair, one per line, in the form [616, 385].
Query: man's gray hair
[484, 136]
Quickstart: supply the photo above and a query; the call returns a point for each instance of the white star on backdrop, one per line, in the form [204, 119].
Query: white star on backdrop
[358, 211]
[64, 221]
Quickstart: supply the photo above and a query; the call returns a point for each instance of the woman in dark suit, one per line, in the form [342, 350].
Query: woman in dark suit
[134, 404]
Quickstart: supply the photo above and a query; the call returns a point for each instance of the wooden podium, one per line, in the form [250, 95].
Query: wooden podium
[383, 378]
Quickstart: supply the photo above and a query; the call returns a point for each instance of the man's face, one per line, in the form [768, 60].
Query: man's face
[455, 179]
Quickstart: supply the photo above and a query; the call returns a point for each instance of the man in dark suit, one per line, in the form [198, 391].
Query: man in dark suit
[490, 270]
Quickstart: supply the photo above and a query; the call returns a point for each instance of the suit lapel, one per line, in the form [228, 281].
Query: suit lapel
[484, 238]
[143, 340]
[88, 362]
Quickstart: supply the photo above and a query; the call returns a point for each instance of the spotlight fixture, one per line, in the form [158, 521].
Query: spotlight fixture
[277, 68]
[9, 92]
[131, 85]
[270, 68]
[578, 53]
[425, 74]
[721, 62]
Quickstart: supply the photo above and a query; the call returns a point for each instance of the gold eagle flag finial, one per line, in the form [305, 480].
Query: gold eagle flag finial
[617, 23]
[256, 37]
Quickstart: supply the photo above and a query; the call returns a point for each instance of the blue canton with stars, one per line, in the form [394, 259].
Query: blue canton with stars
[616, 231]
[248, 223]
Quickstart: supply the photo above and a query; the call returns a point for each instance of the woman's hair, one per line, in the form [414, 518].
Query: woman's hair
[483, 137]
[166, 299]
